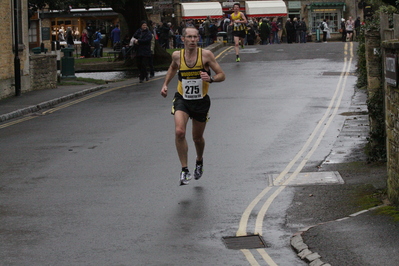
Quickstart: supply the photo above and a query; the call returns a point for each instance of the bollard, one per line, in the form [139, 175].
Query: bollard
[42, 49]
[318, 35]
[58, 52]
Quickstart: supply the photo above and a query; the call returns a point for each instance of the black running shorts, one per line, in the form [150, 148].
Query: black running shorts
[196, 109]
[239, 33]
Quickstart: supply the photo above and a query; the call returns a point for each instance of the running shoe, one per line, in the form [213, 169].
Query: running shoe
[185, 178]
[242, 46]
[198, 171]
[237, 59]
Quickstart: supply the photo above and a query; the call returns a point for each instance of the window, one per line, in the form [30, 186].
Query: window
[331, 17]
[33, 31]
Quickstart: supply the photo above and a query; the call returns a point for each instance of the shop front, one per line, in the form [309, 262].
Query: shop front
[78, 20]
[331, 11]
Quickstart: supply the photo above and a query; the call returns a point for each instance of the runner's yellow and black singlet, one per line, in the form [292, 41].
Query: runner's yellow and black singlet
[190, 84]
[237, 26]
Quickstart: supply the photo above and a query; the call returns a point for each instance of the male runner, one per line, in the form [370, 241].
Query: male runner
[191, 99]
[239, 23]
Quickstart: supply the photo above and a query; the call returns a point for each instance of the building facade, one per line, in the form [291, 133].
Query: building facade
[7, 55]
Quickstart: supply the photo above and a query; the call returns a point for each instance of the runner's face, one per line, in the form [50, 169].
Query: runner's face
[144, 26]
[190, 39]
[236, 8]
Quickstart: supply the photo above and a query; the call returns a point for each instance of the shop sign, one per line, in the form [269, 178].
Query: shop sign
[325, 10]
[228, 4]
[45, 33]
[391, 70]
[294, 5]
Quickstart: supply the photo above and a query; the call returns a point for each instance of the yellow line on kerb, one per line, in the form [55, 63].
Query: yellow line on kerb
[222, 53]
[52, 110]
[334, 103]
[16, 122]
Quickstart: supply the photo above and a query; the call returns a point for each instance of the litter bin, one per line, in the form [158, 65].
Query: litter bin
[68, 63]
[222, 34]
[39, 50]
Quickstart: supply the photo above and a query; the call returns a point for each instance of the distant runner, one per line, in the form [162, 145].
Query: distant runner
[239, 23]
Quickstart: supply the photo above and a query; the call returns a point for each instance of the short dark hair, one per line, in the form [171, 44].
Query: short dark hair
[237, 4]
[184, 30]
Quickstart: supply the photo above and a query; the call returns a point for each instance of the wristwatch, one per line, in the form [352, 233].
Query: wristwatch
[212, 80]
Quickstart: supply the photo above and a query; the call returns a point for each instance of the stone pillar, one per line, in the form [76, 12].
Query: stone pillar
[376, 147]
[373, 58]
[392, 127]
[43, 69]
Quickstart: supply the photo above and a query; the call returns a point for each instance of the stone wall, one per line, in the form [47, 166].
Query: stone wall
[6, 56]
[43, 71]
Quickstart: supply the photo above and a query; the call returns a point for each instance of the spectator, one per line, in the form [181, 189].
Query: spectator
[116, 36]
[343, 30]
[85, 49]
[275, 30]
[69, 38]
[164, 35]
[207, 31]
[142, 38]
[97, 43]
[290, 30]
[304, 30]
[264, 32]
[357, 27]
[251, 35]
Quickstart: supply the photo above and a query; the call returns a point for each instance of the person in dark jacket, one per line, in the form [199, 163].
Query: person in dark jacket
[343, 30]
[69, 38]
[143, 37]
[298, 29]
[251, 35]
[164, 35]
[264, 32]
[304, 30]
[357, 27]
[290, 30]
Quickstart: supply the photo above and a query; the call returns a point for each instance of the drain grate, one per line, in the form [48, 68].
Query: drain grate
[244, 242]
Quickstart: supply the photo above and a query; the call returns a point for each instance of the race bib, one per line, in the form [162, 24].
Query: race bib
[192, 89]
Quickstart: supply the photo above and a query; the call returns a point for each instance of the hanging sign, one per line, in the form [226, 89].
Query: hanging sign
[391, 70]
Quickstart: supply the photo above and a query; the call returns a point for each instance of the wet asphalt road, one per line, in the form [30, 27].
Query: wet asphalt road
[96, 183]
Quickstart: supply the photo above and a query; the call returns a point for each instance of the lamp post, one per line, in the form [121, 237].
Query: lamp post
[17, 63]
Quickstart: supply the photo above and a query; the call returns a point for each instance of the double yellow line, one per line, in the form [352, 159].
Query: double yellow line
[315, 138]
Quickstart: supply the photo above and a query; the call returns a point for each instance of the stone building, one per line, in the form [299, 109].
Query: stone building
[7, 58]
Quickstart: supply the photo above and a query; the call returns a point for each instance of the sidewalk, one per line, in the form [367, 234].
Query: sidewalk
[34, 101]
[344, 233]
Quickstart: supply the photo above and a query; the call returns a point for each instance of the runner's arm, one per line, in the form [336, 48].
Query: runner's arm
[244, 19]
[210, 60]
[171, 73]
